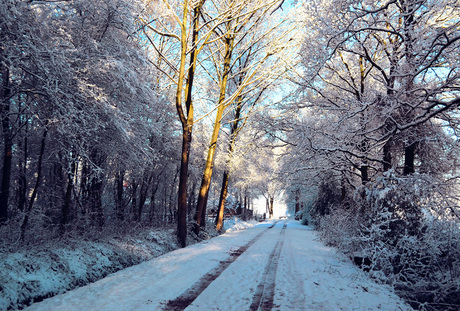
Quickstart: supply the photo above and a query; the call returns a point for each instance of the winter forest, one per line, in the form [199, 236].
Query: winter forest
[122, 116]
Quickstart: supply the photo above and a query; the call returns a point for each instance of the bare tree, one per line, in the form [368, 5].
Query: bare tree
[243, 37]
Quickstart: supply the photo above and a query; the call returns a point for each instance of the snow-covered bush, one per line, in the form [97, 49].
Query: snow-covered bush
[406, 229]
[339, 228]
[328, 196]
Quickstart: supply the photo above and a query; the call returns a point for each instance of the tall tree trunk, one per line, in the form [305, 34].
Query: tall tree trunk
[409, 8]
[96, 201]
[152, 213]
[203, 215]
[119, 189]
[364, 168]
[245, 205]
[22, 191]
[240, 207]
[409, 158]
[37, 184]
[364, 145]
[271, 207]
[386, 157]
[68, 197]
[297, 201]
[187, 121]
[133, 212]
[267, 207]
[96, 190]
[364, 174]
[207, 175]
[165, 205]
[192, 200]
[94, 187]
[152, 207]
[343, 188]
[84, 186]
[226, 177]
[172, 212]
[143, 195]
[8, 145]
[389, 126]
[222, 200]
[182, 197]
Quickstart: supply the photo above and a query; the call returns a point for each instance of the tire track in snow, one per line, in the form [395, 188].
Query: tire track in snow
[186, 298]
[289, 279]
[265, 292]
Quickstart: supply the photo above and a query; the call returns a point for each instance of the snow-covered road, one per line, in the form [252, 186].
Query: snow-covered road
[271, 266]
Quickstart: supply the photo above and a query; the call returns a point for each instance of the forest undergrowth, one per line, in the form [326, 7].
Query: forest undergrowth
[401, 230]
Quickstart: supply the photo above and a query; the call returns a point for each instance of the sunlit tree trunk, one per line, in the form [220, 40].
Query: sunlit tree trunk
[207, 175]
[226, 177]
[182, 197]
[222, 200]
[186, 120]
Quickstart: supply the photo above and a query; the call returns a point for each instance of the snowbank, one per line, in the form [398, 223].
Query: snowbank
[33, 274]
[236, 223]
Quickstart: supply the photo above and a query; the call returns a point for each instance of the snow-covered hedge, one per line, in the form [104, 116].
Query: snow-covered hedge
[406, 230]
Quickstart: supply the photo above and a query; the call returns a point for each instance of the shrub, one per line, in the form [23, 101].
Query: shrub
[406, 229]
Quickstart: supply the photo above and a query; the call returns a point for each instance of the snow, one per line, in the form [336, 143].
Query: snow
[36, 272]
[236, 223]
[259, 205]
[309, 276]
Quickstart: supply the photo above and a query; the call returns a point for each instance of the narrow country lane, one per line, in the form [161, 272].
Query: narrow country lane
[277, 265]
